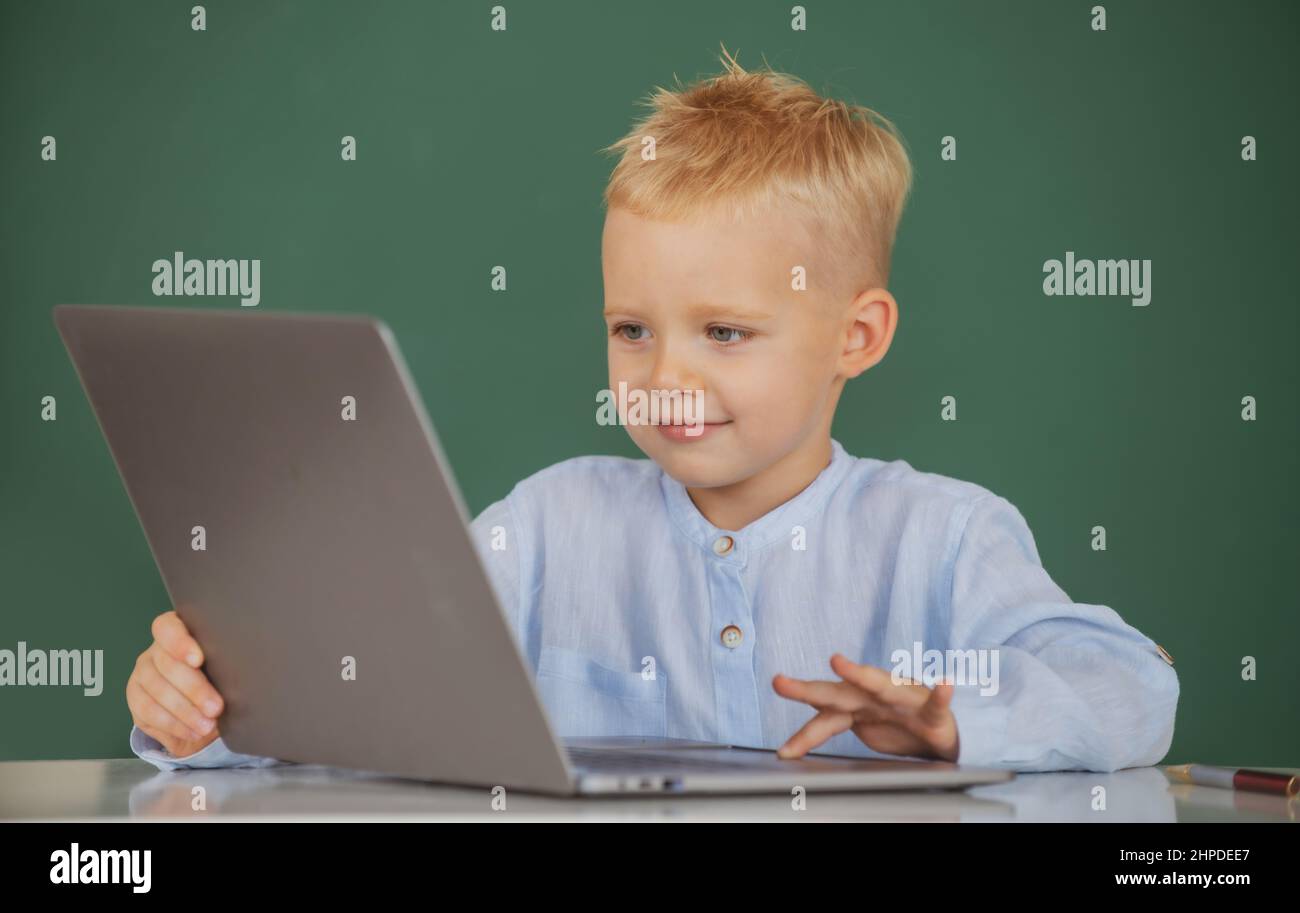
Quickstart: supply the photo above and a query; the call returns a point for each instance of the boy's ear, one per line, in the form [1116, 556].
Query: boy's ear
[868, 330]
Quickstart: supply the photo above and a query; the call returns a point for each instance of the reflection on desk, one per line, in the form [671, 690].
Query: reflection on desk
[130, 788]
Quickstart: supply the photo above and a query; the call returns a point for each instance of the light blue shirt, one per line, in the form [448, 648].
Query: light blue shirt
[640, 617]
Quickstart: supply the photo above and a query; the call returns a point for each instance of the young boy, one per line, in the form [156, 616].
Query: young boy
[746, 251]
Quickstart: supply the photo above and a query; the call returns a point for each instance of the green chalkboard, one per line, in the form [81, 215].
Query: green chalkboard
[478, 147]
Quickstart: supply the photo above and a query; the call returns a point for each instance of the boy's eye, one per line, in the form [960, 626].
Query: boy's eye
[728, 335]
[632, 332]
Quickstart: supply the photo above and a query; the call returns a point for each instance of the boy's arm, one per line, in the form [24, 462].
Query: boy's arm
[1078, 688]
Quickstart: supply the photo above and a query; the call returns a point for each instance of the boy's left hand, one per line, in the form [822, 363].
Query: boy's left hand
[903, 719]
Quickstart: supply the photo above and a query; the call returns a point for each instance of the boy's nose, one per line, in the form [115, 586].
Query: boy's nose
[673, 373]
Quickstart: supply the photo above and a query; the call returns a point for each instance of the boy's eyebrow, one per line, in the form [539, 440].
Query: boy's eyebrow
[708, 309]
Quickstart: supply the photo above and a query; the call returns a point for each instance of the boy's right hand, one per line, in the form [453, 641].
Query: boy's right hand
[170, 699]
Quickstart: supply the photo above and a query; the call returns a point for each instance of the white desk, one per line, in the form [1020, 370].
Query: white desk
[130, 788]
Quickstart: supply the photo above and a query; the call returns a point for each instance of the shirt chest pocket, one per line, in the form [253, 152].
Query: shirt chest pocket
[586, 697]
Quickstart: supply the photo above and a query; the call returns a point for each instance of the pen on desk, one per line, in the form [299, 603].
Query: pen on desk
[1259, 781]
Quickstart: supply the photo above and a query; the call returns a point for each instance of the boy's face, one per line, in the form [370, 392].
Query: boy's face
[709, 306]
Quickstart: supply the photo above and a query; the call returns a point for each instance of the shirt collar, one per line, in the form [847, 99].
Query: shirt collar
[774, 525]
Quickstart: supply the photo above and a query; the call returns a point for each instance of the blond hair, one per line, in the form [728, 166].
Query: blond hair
[752, 142]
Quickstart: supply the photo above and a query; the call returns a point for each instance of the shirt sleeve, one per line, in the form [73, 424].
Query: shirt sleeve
[1076, 688]
[213, 754]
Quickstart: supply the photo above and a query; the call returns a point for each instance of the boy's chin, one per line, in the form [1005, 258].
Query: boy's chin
[697, 468]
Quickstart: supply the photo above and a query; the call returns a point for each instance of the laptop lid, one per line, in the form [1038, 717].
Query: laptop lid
[329, 540]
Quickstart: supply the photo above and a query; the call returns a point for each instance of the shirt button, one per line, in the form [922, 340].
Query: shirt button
[731, 636]
[723, 544]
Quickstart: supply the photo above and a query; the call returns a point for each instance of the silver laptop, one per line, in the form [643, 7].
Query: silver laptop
[326, 539]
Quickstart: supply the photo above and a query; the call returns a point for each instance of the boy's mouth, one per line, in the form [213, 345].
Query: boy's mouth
[682, 433]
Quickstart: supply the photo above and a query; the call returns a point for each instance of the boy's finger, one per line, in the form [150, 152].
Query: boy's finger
[190, 682]
[879, 683]
[835, 695]
[890, 738]
[878, 713]
[936, 710]
[171, 633]
[178, 705]
[823, 726]
[148, 711]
